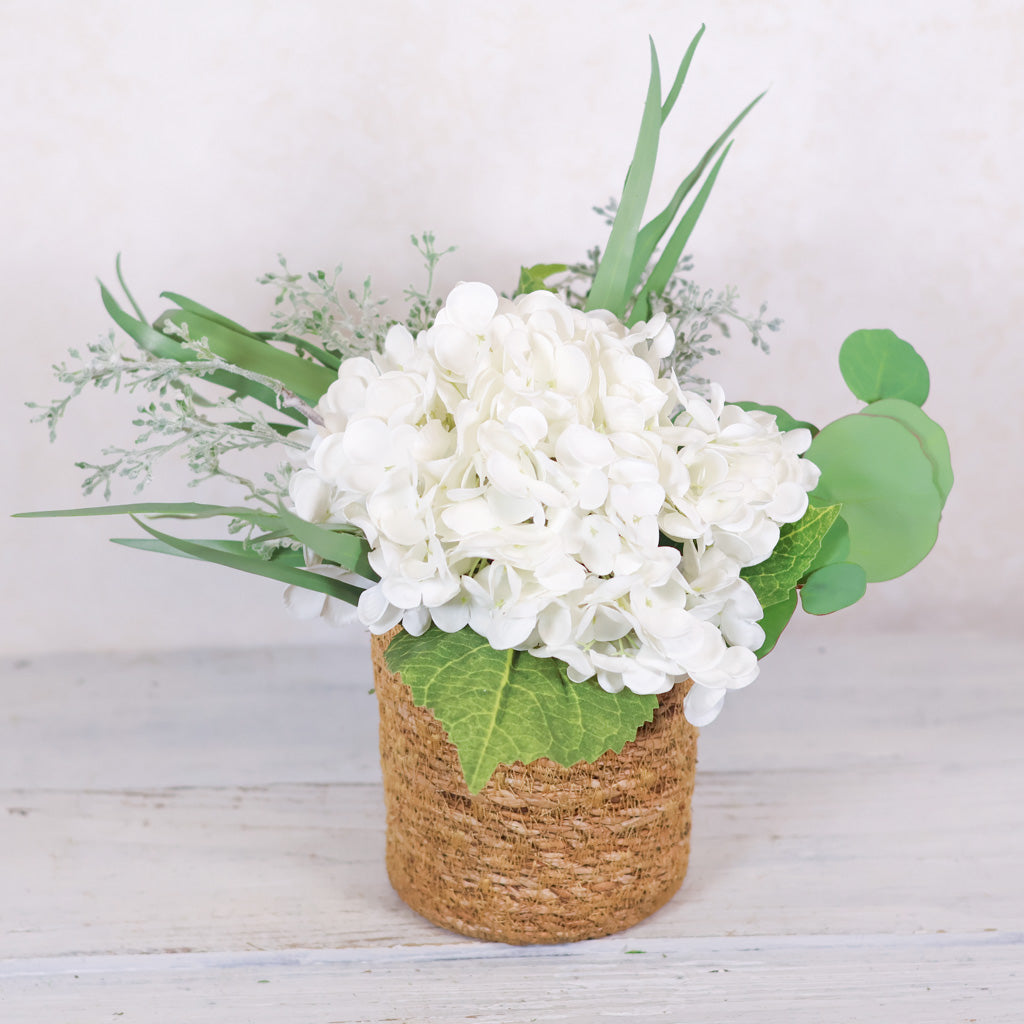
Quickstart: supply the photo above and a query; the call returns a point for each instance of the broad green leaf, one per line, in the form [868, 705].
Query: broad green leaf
[774, 579]
[213, 551]
[929, 434]
[304, 378]
[347, 549]
[878, 364]
[774, 620]
[677, 84]
[612, 289]
[534, 279]
[652, 232]
[282, 556]
[875, 468]
[782, 418]
[499, 707]
[832, 587]
[673, 252]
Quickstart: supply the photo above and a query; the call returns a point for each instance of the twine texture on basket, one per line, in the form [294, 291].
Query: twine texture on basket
[543, 853]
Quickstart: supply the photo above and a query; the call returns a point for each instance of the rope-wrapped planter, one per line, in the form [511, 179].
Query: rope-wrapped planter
[543, 853]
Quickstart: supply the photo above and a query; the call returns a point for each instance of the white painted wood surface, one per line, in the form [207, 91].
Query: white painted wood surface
[199, 837]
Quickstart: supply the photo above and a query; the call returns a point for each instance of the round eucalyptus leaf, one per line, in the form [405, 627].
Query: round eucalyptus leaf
[833, 587]
[835, 546]
[774, 620]
[875, 468]
[878, 364]
[929, 434]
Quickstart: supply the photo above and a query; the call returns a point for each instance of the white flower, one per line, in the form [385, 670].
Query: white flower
[527, 469]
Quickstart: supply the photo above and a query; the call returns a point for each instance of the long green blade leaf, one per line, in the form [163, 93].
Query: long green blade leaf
[666, 265]
[651, 233]
[611, 289]
[677, 85]
[304, 378]
[257, 566]
[347, 549]
[282, 556]
[321, 355]
[208, 314]
[169, 509]
[124, 288]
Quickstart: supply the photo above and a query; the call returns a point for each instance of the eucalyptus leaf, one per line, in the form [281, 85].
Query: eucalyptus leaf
[612, 288]
[832, 587]
[499, 707]
[929, 434]
[774, 620]
[835, 547]
[774, 579]
[877, 364]
[783, 419]
[214, 551]
[876, 469]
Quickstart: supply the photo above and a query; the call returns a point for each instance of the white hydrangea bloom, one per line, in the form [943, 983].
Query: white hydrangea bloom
[516, 468]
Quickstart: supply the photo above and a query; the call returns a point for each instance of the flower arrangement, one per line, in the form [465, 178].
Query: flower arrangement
[564, 519]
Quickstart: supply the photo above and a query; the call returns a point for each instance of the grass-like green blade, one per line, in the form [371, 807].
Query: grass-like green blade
[652, 232]
[677, 84]
[611, 289]
[282, 556]
[252, 563]
[163, 347]
[673, 252]
[191, 306]
[301, 376]
[321, 355]
[168, 509]
[125, 289]
[347, 549]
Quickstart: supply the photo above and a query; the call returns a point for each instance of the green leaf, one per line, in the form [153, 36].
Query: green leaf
[929, 434]
[877, 364]
[876, 469]
[347, 549]
[499, 707]
[124, 288]
[534, 279]
[304, 378]
[653, 231]
[171, 509]
[612, 289]
[782, 418]
[282, 556]
[677, 84]
[673, 252]
[799, 543]
[832, 587]
[163, 347]
[214, 551]
[835, 547]
[191, 306]
[774, 620]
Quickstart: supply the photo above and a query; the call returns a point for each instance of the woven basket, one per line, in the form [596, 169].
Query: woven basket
[543, 853]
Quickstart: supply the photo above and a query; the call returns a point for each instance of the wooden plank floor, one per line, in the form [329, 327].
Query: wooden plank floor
[198, 836]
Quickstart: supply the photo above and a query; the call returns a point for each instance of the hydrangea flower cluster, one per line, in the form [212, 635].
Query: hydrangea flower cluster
[526, 469]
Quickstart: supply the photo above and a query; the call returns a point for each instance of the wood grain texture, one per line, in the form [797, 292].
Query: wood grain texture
[199, 836]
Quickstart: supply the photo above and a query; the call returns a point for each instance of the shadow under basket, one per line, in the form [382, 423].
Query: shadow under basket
[543, 853]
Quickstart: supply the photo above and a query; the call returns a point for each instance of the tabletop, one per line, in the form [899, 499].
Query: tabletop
[198, 836]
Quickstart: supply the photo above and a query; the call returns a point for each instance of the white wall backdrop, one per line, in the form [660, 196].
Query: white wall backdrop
[878, 184]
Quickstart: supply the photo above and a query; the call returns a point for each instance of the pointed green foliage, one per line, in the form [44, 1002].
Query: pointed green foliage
[170, 509]
[535, 278]
[611, 289]
[783, 419]
[677, 83]
[878, 364]
[774, 620]
[876, 469]
[833, 586]
[499, 707]
[653, 231]
[301, 376]
[929, 434]
[342, 548]
[281, 556]
[673, 253]
[799, 543]
[191, 306]
[252, 562]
